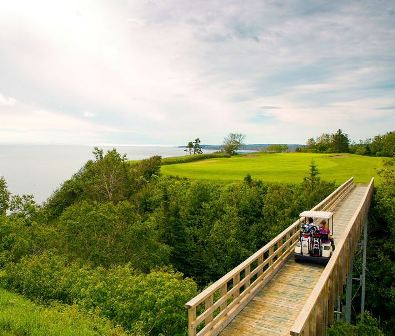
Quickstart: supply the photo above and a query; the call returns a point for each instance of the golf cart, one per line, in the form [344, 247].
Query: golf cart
[315, 243]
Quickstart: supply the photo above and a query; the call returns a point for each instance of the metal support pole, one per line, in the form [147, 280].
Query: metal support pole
[339, 309]
[363, 282]
[349, 294]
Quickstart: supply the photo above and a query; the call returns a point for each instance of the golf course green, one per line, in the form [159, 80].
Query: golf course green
[280, 167]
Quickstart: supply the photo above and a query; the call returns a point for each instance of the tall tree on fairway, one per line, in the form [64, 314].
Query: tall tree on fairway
[232, 142]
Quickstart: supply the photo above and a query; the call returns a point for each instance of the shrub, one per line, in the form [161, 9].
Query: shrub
[192, 158]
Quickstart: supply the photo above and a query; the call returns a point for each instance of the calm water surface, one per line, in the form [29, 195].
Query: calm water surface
[39, 170]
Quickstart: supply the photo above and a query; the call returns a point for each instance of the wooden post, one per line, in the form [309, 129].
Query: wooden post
[191, 321]
[271, 249]
[236, 280]
[207, 304]
[247, 273]
[260, 262]
[224, 290]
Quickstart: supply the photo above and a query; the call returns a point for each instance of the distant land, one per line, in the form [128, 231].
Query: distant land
[248, 147]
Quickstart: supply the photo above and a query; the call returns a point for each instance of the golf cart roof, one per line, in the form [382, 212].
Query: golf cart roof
[317, 214]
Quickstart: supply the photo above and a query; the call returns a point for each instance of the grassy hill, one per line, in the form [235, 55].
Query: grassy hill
[282, 167]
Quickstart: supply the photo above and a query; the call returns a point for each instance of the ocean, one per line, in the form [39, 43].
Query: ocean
[41, 169]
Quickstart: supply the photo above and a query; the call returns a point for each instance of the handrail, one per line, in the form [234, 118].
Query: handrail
[211, 310]
[317, 313]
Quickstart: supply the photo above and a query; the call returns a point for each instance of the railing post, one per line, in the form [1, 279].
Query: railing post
[191, 321]
[207, 305]
[260, 262]
[224, 290]
[247, 273]
[349, 292]
[271, 251]
[236, 280]
[363, 282]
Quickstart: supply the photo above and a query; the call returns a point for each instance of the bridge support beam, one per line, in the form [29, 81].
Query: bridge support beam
[347, 314]
[339, 309]
[363, 275]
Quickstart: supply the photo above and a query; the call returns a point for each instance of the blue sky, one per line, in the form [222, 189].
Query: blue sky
[166, 72]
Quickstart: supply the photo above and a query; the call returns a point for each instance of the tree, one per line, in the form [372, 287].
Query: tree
[4, 196]
[233, 142]
[311, 144]
[23, 206]
[323, 143]
[108, 177]
[197, 149]
[339, 142]
[189, 147]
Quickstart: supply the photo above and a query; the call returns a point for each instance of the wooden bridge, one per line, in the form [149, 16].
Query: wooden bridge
[270, 294]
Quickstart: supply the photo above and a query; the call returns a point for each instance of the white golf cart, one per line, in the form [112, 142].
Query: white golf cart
[315, 243]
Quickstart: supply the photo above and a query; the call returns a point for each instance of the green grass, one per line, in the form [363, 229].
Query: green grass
[20, 317]
[283, 167]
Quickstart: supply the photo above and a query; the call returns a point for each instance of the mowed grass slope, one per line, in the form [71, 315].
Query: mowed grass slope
[282, 167]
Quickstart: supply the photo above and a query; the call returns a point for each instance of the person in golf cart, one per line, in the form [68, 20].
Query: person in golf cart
[315, 243]
[309, 226]
[326, 233]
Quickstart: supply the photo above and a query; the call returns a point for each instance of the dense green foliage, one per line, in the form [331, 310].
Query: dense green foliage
[380, 145]
[337, 142]
[109, 234]
[20, 316]
[280, 167]
[368, 326]
[381, 252]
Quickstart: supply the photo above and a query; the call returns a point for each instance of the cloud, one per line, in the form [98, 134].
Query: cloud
[164, 72]
[88, 114]
[7, 101]
[24, 123]
[268, 107]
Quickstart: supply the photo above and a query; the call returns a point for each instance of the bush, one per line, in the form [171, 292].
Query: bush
[192, 158]
[368, 326]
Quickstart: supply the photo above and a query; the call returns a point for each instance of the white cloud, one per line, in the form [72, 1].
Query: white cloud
[163, 72]
[28, 124]
[7, 101]
[88, 114]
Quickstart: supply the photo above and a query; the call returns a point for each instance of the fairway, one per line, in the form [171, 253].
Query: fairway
[282, 167]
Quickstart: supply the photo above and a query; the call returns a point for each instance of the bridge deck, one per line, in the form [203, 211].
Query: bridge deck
[274, 309]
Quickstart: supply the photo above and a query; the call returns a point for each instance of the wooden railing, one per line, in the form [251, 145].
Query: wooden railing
[212, 310]
[318, 311]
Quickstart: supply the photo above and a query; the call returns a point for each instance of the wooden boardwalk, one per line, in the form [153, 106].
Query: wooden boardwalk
[275, 308]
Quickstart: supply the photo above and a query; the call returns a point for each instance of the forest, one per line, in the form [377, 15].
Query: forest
[121, 242]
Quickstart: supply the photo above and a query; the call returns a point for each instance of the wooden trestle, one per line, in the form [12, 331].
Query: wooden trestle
[271, 294]
[275, 308]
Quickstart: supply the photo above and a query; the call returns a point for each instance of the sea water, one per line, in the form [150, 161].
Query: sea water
[41, 169]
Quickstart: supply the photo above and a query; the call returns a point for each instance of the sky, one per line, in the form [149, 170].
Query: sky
[168, 71]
